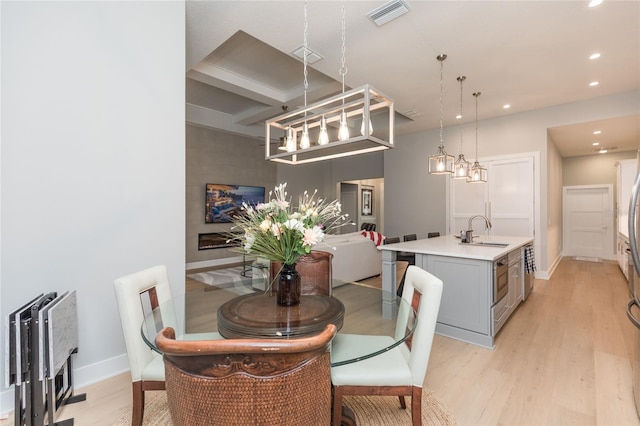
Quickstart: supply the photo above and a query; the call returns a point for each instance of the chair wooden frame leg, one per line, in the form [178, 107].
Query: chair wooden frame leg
[337, 406]
[416, 406]
[401, 391]
[138, 389]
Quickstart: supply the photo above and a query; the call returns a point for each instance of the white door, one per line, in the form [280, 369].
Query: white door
[507, 199]
[588, 221]
[510, 205]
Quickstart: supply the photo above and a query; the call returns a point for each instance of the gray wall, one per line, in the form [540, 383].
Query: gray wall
[218, 157]
[601, 168]
[92, 160]
[415, 200]
[594, 170]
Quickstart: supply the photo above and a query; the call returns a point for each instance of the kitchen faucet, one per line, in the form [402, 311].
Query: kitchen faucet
[469, 233]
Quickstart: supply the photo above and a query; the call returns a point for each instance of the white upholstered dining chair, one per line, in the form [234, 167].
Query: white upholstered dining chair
[400, 371]
[146, 366]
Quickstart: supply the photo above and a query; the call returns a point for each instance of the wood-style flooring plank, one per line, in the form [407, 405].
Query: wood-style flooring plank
[563, 358]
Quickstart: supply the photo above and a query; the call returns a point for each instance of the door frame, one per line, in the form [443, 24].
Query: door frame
[611, 255]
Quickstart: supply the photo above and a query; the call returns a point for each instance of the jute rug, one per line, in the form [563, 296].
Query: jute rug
[369, 411]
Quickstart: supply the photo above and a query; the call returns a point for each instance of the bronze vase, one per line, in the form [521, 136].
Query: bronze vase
[288, 292]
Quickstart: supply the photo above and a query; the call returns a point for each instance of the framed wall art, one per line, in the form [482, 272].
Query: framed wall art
[367, 202]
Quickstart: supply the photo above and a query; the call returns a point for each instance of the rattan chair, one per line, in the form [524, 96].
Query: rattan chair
[145, 365]
[315, 273]
[248, 381]
[400, 371]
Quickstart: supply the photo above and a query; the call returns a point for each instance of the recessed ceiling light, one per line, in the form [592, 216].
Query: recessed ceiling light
[594, 3]
[595, 143]
[594, 56]
[597, 132]
[594, 83]
[603, 151]
[506, 106]
[458, 117]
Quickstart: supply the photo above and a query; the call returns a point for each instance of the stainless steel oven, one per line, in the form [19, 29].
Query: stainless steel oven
[500, 278]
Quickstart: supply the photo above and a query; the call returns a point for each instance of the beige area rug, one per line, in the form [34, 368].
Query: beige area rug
[369, 411]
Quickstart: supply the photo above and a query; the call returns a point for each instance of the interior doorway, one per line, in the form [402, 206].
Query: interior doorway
[363, 201]
[588, 221]
[349, 202]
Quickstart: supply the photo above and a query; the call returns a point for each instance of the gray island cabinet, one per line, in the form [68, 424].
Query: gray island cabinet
[471, 310]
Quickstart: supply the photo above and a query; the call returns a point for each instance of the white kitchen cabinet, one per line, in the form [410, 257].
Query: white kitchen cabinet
[622, 245]
[506, 199]
[625, 176]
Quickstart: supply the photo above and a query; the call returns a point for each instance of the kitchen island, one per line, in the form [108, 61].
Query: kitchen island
[470, 309]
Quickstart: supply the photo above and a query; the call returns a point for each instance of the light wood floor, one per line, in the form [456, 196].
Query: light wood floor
[563, 358]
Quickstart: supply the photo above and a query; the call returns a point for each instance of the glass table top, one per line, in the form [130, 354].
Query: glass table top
[230, 310]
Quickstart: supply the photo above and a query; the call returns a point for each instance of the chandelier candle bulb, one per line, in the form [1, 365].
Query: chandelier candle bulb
[323, 138]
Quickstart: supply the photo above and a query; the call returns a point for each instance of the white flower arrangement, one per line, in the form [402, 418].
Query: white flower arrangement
[281, 232]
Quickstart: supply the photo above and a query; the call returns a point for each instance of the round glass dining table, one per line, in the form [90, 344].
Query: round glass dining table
[242, 311]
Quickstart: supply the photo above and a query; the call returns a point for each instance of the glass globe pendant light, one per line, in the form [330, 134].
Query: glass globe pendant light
[441, 163]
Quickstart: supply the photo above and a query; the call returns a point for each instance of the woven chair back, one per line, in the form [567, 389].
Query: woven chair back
[248, 381]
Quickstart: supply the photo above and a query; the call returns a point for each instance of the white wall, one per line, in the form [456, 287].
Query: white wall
[93, 169]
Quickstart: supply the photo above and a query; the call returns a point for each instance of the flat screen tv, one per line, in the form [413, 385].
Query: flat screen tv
[223, 202]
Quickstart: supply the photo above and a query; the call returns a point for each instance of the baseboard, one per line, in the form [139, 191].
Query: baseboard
[213, 262]
[546, 275]
[82, 377]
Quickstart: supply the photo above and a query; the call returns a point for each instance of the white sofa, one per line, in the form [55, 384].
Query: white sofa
[355, 257]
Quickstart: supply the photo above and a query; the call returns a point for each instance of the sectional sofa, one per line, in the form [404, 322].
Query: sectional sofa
[355, 257]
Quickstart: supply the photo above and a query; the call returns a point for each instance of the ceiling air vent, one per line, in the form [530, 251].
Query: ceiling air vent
[603, 149]
[312, 57]
[388, 12]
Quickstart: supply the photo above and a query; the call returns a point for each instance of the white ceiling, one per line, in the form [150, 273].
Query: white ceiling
[533, 54]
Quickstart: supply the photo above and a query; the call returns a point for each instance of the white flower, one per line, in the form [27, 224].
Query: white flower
[312, 236]
[294, 224]
[265, 225]
[249, 239]
[276, 230]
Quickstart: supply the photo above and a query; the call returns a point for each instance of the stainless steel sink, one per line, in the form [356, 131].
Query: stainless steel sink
[486, 244]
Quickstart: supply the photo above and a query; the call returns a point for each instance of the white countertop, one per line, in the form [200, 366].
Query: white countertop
[448, 245]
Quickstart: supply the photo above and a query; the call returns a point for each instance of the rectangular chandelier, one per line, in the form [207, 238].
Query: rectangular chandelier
[369, 119]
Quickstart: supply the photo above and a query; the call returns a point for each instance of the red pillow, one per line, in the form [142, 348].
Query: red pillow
[376, 237]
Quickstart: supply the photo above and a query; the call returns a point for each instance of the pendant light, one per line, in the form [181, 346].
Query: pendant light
[441, 163]
[290, 140]
[323, 137]
[477, 174]
[340, 111]
[461, 166]
[343, 130]
[305, 142]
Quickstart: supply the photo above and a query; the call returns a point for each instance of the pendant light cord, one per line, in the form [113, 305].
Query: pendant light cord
[343, 70]
[461, 79]
[476, 94]
[441, 58]
[305, 42]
